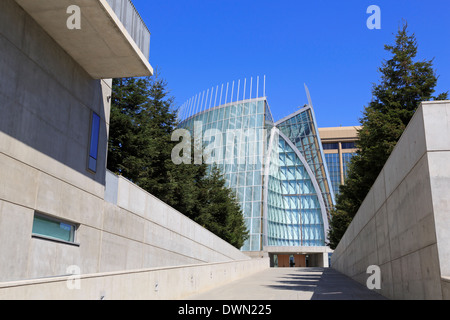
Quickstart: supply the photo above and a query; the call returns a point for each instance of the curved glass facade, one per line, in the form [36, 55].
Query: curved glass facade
[294, 213]
[301, 129]
[233, 136]
[276, 170]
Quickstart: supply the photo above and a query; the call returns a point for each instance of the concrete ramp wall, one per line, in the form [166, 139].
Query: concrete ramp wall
[148, 251]
[403, 225]
[147, 284]
[161, 235]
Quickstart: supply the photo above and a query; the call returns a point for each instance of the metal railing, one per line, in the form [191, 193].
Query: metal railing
[133, 23]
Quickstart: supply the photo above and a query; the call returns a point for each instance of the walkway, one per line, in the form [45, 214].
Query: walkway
[292, 284]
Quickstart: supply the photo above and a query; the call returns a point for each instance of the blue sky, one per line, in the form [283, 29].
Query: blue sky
[198, 44]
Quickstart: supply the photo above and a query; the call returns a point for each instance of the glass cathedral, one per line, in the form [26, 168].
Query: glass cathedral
[277, 169]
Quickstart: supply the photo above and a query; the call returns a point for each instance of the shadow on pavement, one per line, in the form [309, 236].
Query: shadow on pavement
[326, 284]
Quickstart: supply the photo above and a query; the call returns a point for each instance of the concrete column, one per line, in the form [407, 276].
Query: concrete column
[341, 163]
[325, 260]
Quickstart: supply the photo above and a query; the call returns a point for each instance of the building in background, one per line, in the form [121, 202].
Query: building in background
[277, 170]
[339, 147]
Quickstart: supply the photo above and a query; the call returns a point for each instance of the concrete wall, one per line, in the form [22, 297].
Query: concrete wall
[403, 225]
[152, 234]
[46, 102]
[156, 284]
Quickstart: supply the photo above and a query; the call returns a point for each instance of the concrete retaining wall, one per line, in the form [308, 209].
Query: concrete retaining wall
[403, 225]
[157, 235]
[156, 284]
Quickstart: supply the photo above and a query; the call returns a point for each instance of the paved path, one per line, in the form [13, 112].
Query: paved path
[292, 284]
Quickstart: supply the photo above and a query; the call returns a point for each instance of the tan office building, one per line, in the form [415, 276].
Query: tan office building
[339, 147]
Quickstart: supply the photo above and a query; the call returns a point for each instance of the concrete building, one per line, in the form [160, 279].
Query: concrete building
[277, 170]
[402, 228]
[61, 212]
[339, 146]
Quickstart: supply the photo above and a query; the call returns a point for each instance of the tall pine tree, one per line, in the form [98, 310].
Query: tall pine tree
[404, 84]
[127, 145]
[141, 123]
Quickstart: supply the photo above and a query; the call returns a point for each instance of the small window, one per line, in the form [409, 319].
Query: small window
[348, 145]
[53, 229]
[330, 146]
[93, 148]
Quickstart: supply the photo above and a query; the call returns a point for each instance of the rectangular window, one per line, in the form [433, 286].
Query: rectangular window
[93, 145]
[330, 146]
[53, 229]
[348, 145]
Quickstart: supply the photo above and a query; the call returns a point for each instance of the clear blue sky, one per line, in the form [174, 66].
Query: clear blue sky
[198, 44]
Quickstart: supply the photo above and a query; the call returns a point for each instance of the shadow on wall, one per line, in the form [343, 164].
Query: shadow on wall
[51, 120]
[47, 99]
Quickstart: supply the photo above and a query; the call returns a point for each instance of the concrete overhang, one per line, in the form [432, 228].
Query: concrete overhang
[102, 46]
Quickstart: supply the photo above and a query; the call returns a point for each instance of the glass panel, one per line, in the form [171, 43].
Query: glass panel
[95, 129]
[92, 164]
[227, 112]
[256, 226]
[93, 148]
[233, 111]
[330, 146]
[245, 109]
[52, 228]
[348, 145]
[260, 106]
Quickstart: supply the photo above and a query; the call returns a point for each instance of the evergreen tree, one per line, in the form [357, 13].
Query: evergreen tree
[160, 121]
[404, 84]
[220, 210]
[127, 144]
[338, 225]
[142, 120]
[140, 147]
